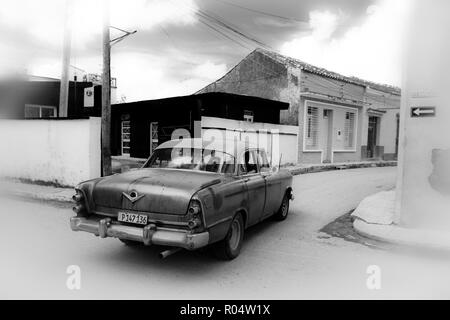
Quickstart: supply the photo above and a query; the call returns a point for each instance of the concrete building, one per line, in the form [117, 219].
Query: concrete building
[340, 118]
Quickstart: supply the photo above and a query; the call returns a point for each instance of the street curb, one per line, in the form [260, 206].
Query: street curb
[413, 238]
[56, 197]
[35, 191]
[65, 194]
[340, 166]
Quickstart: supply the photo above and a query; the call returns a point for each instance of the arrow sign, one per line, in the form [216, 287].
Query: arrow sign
[420, 112]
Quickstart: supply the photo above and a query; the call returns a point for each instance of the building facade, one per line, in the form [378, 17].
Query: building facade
[340, 118]
[137, 128]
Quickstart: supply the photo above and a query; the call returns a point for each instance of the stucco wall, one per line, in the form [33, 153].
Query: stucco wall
[423, 193]
[258, 75]
[278, 140]
[388, 131]
[64, 152]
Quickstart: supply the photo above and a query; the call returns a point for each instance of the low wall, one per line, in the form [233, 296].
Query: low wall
[278, 140]
[61, 152]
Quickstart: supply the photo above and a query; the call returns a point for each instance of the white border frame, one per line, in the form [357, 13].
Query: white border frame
[305, 108]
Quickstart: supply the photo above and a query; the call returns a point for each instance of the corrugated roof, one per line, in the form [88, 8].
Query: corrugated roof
[296, 63]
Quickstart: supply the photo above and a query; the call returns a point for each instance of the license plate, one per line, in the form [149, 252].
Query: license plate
[132, 218]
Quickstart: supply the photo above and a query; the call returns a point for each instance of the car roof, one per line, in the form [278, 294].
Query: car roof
[224, 145]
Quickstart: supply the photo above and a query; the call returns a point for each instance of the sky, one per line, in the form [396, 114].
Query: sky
[176, 51]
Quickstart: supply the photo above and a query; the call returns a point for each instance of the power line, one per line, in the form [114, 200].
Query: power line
[261, 12]
[224, 34]
[221, 23]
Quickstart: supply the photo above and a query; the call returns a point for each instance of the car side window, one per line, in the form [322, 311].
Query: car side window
[264, 165]
[248, 164]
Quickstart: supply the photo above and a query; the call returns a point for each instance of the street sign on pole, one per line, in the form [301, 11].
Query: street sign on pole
[421, 112]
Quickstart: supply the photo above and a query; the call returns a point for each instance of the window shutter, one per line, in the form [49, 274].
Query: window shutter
[312, 128]
[349, 131]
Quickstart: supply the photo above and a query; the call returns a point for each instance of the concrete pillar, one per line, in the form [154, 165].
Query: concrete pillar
[423, 190]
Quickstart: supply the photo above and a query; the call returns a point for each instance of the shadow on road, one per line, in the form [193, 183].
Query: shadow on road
[190, 263]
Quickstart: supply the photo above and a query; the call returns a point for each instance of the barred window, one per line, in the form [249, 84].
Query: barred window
[312, 128]
[126, 137]
[349, 131]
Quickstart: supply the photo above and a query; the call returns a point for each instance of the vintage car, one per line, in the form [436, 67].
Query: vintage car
[189, 194]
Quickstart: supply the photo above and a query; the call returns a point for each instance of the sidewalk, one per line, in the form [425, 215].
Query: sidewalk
[313, 168]
[17, 188]
[374, 219]
[51, 193]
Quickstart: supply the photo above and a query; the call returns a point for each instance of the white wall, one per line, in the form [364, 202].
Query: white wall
[264, 133]
[423, 194]
[388, 131]
[64, 152]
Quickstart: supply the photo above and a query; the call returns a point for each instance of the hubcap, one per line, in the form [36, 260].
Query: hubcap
[235, 235]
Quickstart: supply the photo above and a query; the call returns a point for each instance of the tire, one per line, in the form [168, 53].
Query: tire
[130, 243]
[283, 211]
[230, 247]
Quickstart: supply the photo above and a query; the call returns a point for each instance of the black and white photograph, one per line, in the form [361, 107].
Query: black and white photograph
[242, 151]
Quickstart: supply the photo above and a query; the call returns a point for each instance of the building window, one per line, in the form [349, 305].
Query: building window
[38, 111]
[349, 130]
[126, 137]
[312, 128]
[248, 115]
[153, 136]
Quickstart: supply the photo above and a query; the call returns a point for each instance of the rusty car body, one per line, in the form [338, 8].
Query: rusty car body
[189, 194]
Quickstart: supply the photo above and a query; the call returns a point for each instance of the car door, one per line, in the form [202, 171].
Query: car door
[273, 184]
[255, 186]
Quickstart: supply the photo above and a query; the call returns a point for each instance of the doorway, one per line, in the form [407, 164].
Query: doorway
[372, 138]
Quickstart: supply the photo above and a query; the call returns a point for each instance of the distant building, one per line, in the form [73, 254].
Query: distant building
[137, 128]
[33, 97]
[340, 118]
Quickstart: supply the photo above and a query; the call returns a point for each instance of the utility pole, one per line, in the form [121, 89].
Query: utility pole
[64, 86]
[106, 94]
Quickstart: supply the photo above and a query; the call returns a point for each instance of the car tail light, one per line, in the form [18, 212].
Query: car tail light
[194, 213]
[78, 197]
[194, 207]
[79, 207]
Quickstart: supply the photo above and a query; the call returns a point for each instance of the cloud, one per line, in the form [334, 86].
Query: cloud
[371, 50]
[143, 76]
[31, 32]
[44, 19]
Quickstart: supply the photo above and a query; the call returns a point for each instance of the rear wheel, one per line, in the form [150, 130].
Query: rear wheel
[283, 211]
[230, 247]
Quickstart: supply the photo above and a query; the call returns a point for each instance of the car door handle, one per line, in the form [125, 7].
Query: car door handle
[246, 180]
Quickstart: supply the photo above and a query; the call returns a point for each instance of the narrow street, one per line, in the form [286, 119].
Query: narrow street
[287, 260]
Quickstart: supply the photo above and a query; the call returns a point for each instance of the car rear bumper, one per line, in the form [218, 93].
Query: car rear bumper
[150, 234]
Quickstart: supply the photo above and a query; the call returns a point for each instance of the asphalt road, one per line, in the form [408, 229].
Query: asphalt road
[286, 260]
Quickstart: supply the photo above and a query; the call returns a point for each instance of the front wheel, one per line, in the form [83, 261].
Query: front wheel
[230, 247]
[283, 212]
